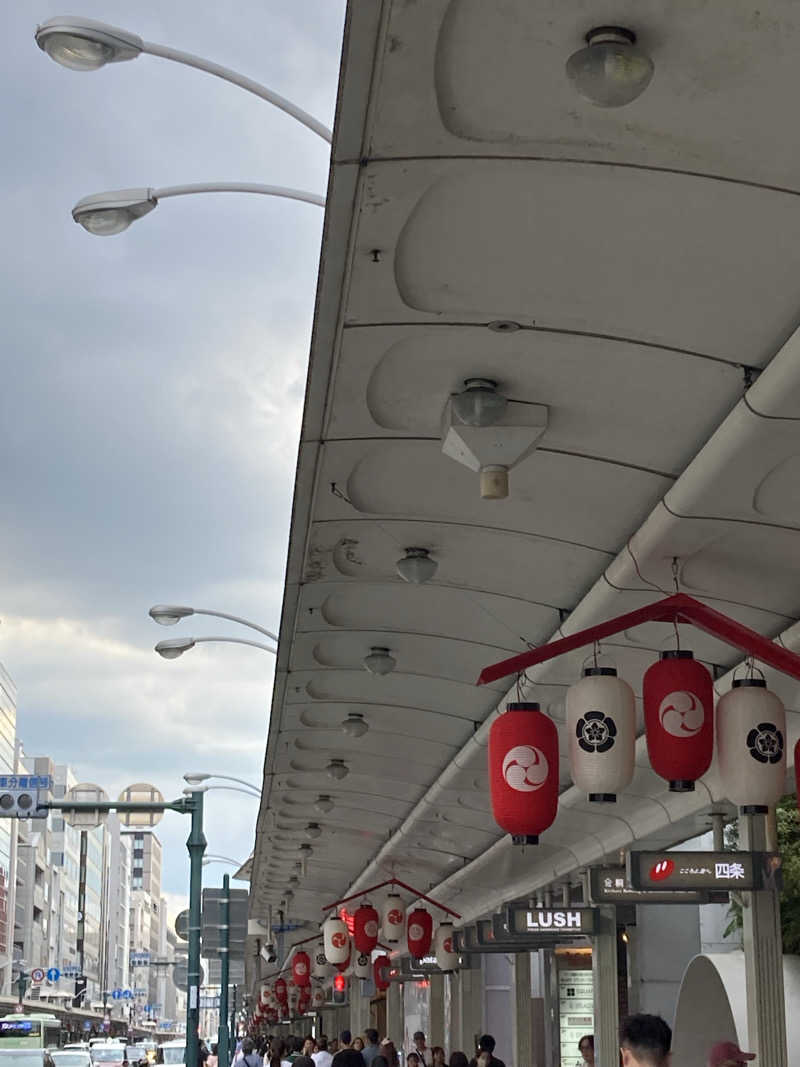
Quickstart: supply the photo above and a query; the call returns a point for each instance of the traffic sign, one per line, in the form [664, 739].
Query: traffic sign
[86, 820]
[141, 793]
[127, 994]
[116, 994]
[53, 974]
[37, 975]
[182, 924]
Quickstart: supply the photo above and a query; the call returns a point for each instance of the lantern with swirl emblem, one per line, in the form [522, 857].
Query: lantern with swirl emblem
[266, 994]
[601, 726]
[392, 918]
[318, 997]
[446, 957]
[337, 942]
[381, 966]
[751, 732]
[419, 932]
[301, 969]
[523, 772]
[679, 719]
[365, 928]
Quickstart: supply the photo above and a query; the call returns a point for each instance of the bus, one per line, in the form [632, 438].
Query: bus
[37, 1030]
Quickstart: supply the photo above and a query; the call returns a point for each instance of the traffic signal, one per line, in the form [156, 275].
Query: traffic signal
[80, 991]
[16, 803]
[339, 989]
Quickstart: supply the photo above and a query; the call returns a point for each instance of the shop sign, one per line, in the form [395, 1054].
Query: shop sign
[704, 870]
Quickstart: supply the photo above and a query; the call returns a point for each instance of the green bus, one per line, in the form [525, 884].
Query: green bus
[37, 1030]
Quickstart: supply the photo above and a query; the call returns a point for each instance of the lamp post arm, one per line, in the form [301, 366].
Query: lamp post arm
[231, 778]
[228, 75]
[237, 187]
[242, 622]
[234, 789]
[237, 641]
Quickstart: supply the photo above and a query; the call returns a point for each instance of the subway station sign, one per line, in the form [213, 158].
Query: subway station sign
[651, 871]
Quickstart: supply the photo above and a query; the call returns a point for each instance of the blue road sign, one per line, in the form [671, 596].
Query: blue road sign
[127, 994]
[87, 1024]
[53, 974]
[116, 994]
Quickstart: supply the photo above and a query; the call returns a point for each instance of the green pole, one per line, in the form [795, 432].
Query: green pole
[225, 927]
[196, 844]
[233, 1033]
[21, 985]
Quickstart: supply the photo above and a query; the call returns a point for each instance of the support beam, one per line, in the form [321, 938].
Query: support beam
[604, 979]
[436, 1026]
[521, 1012]
[468, 997]
[359, 1008]
[763, 958]
[394, 1014]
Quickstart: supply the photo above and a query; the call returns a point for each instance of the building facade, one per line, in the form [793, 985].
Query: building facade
[8, 764]
[145, 914]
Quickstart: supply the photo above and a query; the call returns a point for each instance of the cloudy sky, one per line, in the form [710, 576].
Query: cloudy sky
[152, 388]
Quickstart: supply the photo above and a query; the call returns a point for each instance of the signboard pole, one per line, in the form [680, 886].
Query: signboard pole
[225, 926]
[604, 974]
[196, 844]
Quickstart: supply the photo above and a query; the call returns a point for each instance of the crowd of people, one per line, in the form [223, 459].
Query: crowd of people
[645, 1041]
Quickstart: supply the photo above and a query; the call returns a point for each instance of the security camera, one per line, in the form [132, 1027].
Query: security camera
[268, 953]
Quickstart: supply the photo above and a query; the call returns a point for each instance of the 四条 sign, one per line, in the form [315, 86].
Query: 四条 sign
[654, 871]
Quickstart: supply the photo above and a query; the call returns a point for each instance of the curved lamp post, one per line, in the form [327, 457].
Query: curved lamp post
[86, 44]
[106, 214]
[213, 858]
[231, 788]
[176, 646]
[169, 614]
[194, 777]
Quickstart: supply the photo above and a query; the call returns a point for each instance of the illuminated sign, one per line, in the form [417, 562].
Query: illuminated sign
[609, 885]
[550, 922]
[650, 871]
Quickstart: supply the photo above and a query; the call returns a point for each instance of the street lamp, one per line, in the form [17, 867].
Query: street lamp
[85, 44]
[106, 214]
[176, 646]
[203, 776]
[169, 614]
[232, 788]
[213, 858]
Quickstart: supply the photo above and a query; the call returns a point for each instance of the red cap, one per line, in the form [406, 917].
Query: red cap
[728, 1052]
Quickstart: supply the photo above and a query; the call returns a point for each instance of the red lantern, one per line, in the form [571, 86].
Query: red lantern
[301, 969]
[380, 972]
[365, 928]
[523, 771]
[281, 992]
[419, 932]
[797, 772]
[679, 719]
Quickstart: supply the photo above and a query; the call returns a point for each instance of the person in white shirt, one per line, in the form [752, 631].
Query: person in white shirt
[322, 1058]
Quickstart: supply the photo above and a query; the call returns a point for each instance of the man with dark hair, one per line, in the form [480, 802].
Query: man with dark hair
[645, 1041]
[347, 1056]
[486, 1056]
[371, 1048]
[421, 1049]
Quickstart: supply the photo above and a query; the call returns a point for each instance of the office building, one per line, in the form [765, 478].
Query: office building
[8, 845]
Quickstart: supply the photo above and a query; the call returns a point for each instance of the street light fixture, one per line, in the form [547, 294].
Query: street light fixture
[193, 777]
[85, 44]
[173, 647]
[169, 614]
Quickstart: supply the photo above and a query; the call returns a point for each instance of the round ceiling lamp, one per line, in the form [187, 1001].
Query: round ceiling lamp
[355, 725]
[324, 804]
[313, 830]
[479, 404]
[416, 566]
[337, 769]
[611, 71]
[379, 660]
[307, 850]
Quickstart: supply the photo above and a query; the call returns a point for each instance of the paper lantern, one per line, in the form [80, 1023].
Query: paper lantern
[361, 965]
[320, 968]
[304, 1003]
[346, 966]
[751, 732]
[294, 997]
[601, 726]
[281, 991]
[419, 932]
[679, 719]
[523, 772]
[446, 957]
[392, 918]
[797, 773]
[301, 969]
[380, 972]
[266, 994]
[318, 997]
[337, 943]
[365, 928]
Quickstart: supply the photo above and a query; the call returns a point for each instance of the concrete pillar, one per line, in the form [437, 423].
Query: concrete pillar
[604, 980]
[521, 1011]
[766, 1017]
[436, 1025]
[468, 1003]
[359, 1008]
[394, 1014]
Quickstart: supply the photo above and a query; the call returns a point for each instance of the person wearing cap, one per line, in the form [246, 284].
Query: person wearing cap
[728, 1054]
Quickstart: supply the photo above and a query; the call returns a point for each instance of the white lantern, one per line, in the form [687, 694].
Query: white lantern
[320, 968]
[601, 725]
[336, 940]
[266, 994]
[318, 997]
[362, 965]
[751, 745]
[294, 998]
[393, 917]
[446, 956]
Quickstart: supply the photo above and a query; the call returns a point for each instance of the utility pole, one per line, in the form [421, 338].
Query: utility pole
[225, 928]
[196, 844]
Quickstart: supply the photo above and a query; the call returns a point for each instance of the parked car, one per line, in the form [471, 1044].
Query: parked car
[25, 1057]
[108, 1052]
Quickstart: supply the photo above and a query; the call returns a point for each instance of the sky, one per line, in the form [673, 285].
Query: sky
[152, 388]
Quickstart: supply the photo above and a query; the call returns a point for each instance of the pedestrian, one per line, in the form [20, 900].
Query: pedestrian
[278, 1056]
[728, 1054]
[304, 1061]
[248, 1056]
[486, 1056]
[347, 1056]
[421, 1049]
[389, 1052]
[212, 1059]
[645, 1041]
[372, 1048]
[438, 1057]
[586, 1049]
[458, 1059]
[323, 1058]
[413, 1060]
[358, 1044]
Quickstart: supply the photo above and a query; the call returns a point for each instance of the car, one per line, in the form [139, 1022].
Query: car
[137, 1054]
[108, 1052]
[171, 1052]
[71, 1057]
[83, 1045]
[25, 1057]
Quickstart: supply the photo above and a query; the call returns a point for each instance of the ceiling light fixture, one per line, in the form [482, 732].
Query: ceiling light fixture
[306, 850]
[611, 71]
[379, 661]
[479, 404]
[324, 804]
[416, 566]
[355, 725]
[337, 769]
[313, 830]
